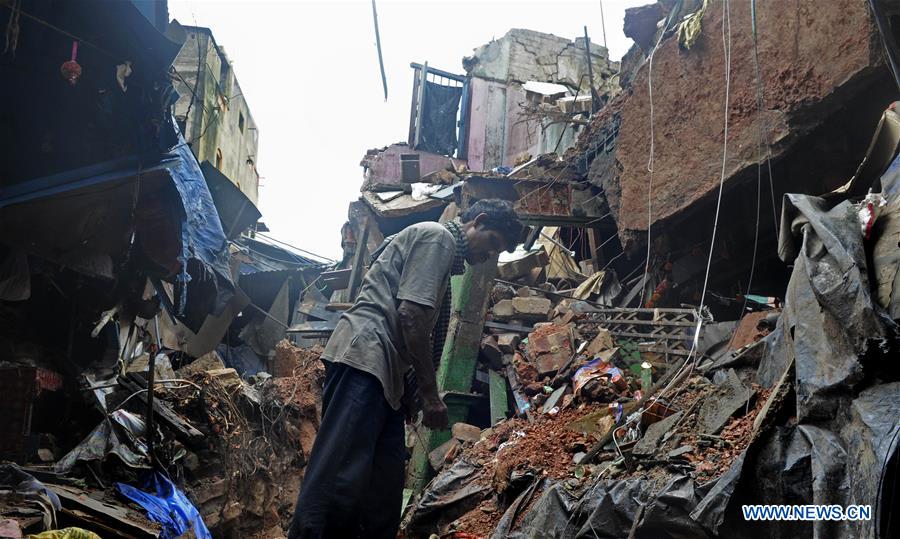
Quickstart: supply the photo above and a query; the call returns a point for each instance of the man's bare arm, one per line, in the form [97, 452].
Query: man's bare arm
[414, 320]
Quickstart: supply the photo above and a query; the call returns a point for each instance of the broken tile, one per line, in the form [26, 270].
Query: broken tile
[647, 445]
[717, 409]
[554, 398]
[683, 450]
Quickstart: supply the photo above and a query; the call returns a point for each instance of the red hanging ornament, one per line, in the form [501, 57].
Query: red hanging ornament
[70, 70]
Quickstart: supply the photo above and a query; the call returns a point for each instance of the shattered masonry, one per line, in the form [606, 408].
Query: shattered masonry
[593, 390]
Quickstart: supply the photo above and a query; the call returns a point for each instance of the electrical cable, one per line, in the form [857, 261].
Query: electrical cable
[651, 157]
[690, 361]
[759, 146]
[295, 247]
[760, 105]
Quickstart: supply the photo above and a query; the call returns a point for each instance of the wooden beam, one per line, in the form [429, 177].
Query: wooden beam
[358, 270]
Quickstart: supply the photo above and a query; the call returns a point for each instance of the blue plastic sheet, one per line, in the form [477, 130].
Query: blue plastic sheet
[169, 506]
[202, 234]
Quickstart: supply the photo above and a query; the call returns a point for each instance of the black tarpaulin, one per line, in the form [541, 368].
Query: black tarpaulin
[438, 131]
[452, 493]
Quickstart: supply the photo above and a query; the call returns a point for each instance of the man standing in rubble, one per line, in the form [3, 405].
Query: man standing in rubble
[353, 485]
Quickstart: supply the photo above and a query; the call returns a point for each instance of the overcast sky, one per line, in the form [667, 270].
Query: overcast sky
[309, 72]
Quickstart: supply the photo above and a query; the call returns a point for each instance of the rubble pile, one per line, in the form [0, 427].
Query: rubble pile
[235, 447]
[581, 412]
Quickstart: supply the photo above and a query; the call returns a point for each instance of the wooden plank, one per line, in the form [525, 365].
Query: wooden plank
[184, 431]
[411, 139]
[318, 310]
[337, 279]
[314, 326]
[423, 76]
[358, 270]
[119, 519]
[497, 392]
[655, 323]
[651, 311]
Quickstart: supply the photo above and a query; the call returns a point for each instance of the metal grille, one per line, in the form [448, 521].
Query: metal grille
[663, 331]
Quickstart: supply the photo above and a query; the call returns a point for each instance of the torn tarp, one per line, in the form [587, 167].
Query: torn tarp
[202, 239]
[439, 111]
[830, 322]
[120, 435]
[20, 483]
[168, 506]
[452, 493]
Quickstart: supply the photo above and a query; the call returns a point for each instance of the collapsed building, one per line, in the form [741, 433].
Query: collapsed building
[142, 306]
[701, 314]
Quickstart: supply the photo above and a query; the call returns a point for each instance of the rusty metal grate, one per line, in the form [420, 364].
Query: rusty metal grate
[663, 331]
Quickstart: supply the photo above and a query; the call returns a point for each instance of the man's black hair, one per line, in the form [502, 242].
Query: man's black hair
[499, 216]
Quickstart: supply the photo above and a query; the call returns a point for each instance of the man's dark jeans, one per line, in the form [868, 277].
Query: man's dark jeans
[353, 485]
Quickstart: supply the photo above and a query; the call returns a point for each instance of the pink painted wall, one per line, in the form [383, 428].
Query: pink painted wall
[497, 136]
[385, 167]
[477, 120]
[521, 136]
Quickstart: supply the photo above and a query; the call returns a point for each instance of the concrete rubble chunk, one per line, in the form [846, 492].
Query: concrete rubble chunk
[508, 342]
[465, 432]
[640, 24]
[490, 352]
[647, 445]
[443, 453]
[228, 377]
[532, 308]
[683, 450]
[602, 342]
[523, 265]
[210, 490]
[503, 310]
[731, 396]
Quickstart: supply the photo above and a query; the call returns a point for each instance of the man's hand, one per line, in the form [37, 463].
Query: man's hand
[434, 414]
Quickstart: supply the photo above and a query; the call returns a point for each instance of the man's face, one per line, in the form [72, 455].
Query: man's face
[484, 244]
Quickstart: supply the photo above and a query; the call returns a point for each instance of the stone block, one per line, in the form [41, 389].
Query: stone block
[508, 342]
[490, 352]
[465, 432]
[522, 267]
[210, 490]
[503, 310]
[231, 511]
[531, 308]
[443, 453]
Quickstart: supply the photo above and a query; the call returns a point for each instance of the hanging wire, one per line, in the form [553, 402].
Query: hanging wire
[759, 150]
[765, 123]
[650, 159]
[687, 367]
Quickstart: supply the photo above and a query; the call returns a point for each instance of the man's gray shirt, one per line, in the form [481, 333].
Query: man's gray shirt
[414, 267]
